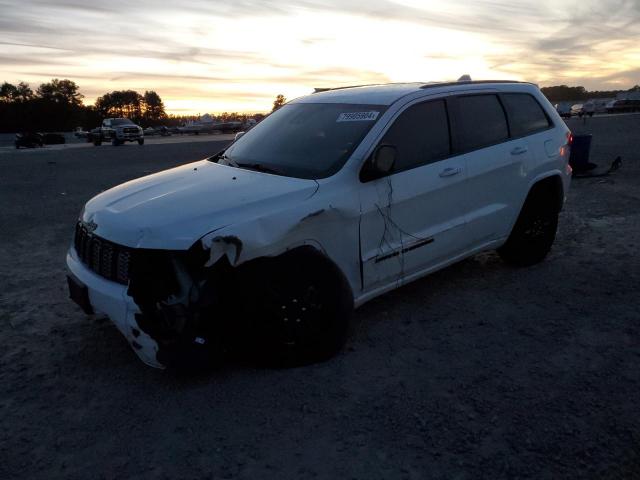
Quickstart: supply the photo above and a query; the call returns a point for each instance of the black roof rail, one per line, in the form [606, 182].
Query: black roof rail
[330, 89]
[472, 82]
[424, 86]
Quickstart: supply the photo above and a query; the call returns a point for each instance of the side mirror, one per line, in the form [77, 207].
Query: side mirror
[380, 164]
[238, 135]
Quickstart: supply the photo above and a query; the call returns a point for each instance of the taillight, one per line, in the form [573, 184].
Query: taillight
[566, 148]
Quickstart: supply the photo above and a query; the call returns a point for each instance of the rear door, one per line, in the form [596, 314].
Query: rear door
[496, 165]
[415, 217]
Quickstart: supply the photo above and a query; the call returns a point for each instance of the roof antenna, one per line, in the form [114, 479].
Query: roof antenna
[465, 78]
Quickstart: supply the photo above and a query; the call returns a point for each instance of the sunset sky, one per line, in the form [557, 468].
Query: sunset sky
[237, 55]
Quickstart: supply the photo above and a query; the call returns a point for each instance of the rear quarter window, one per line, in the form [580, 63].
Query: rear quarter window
[480, 122]
[525, 114]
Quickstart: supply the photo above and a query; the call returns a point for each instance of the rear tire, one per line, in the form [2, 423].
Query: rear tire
[300, 310]
[533, 234]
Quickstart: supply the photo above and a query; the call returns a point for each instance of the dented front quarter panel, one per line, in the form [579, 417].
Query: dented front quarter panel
[328, 221]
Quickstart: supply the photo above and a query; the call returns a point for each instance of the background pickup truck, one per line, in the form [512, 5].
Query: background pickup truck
[118, 131]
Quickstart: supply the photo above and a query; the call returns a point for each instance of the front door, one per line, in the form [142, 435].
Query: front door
[414, 218]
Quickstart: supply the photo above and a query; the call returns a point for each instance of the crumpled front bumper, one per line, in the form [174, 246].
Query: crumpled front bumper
[111, 299]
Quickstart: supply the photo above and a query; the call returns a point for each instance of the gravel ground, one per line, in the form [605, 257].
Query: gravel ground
[478, 371]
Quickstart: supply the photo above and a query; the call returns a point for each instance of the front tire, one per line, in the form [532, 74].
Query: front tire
[533, 234]
[141, 141]
[300, 311]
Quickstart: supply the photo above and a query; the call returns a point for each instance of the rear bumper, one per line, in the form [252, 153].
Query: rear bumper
[111, 299]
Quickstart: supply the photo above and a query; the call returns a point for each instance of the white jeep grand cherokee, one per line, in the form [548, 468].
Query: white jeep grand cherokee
[334, 199]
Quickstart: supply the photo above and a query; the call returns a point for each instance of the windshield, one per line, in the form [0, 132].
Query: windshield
[121, 121]
[304, 140]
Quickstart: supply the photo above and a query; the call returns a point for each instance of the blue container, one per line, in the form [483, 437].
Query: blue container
[579, 158]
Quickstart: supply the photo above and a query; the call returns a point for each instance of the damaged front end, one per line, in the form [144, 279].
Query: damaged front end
[183, 303]
[173, 306]
[182, 297]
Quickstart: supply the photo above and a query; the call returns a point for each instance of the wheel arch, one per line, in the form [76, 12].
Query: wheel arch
[307, 253]
[550, 188]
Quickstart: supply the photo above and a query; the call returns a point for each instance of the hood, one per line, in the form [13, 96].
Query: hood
[174, 208]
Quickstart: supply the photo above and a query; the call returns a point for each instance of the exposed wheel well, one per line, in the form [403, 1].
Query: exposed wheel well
[305, 254]
[549, 190]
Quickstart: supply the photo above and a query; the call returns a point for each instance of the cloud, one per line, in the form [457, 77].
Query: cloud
[198, 45]
[41, 46]
[7, 60]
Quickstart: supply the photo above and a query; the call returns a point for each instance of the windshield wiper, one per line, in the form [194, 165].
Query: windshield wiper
[258, 167]
[228, 161]
[223, 159]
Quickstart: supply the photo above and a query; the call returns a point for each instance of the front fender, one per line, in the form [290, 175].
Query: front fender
[330, 230]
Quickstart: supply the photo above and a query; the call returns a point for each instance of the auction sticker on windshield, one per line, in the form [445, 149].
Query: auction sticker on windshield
[357, 117]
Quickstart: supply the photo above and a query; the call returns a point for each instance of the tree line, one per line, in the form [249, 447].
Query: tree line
[58, 106]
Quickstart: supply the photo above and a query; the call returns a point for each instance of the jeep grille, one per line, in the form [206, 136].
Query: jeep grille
[105, 258]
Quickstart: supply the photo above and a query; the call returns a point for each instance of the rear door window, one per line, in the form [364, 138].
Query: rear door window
[420, 135]
[525, 114]
[480, 122]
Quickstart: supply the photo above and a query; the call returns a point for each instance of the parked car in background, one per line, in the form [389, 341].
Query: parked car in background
[198, 127]
[228, 127]
[577, 110]
[599, 104]
[623, 106]
[29, 140]
[589, 108]
[38, 139]
[117, 131]
[563, 110]
[80, 133]
[250, 123]
[161, 131]
[330, 201]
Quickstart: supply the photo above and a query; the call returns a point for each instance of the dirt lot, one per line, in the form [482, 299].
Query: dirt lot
[478, 371]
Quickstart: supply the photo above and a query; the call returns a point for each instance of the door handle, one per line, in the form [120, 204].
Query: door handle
[449, 172]
[519, 150]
